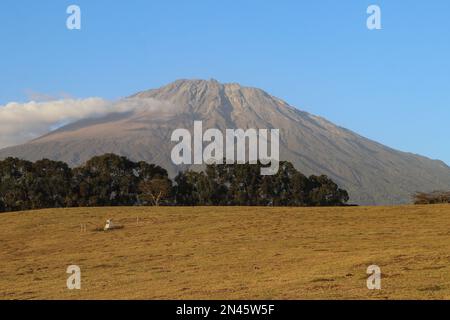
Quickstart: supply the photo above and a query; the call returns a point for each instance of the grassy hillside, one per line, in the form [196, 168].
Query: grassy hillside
[224, 253]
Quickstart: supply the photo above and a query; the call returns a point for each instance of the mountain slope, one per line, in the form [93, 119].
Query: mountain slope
[371, 172]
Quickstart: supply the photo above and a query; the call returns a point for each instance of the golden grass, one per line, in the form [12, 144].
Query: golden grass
[227, 253]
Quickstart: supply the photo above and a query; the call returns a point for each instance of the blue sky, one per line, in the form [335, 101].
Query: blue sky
[391, 85]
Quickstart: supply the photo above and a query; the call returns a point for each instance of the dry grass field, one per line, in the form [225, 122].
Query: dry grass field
[227, 253]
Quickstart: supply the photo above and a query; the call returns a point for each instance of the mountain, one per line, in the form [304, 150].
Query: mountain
[371, 172]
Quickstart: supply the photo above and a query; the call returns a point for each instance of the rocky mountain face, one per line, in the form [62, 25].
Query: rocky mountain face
[371, 172]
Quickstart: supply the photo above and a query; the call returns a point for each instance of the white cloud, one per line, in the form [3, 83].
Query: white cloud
[21, 122]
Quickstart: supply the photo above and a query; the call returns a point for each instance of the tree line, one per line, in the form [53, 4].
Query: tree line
[436, 197]
[111, 180]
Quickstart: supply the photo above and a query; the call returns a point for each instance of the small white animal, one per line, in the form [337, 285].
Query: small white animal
[109, 225]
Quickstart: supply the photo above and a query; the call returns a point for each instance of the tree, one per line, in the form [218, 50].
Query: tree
[106, 180]
[50, 184]
[111, 180]
[25, 185]
[243, 181]
[15, 176]
[435, 197]
[324, 192]
[154, 191]
[198, 188]
[287, 188]
[243, 185]
[184, 189]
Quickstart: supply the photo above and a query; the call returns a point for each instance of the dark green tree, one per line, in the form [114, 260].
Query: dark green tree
[324, 192]
[15, 177]
[107, 180]
[49, 184]
[111, 180]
